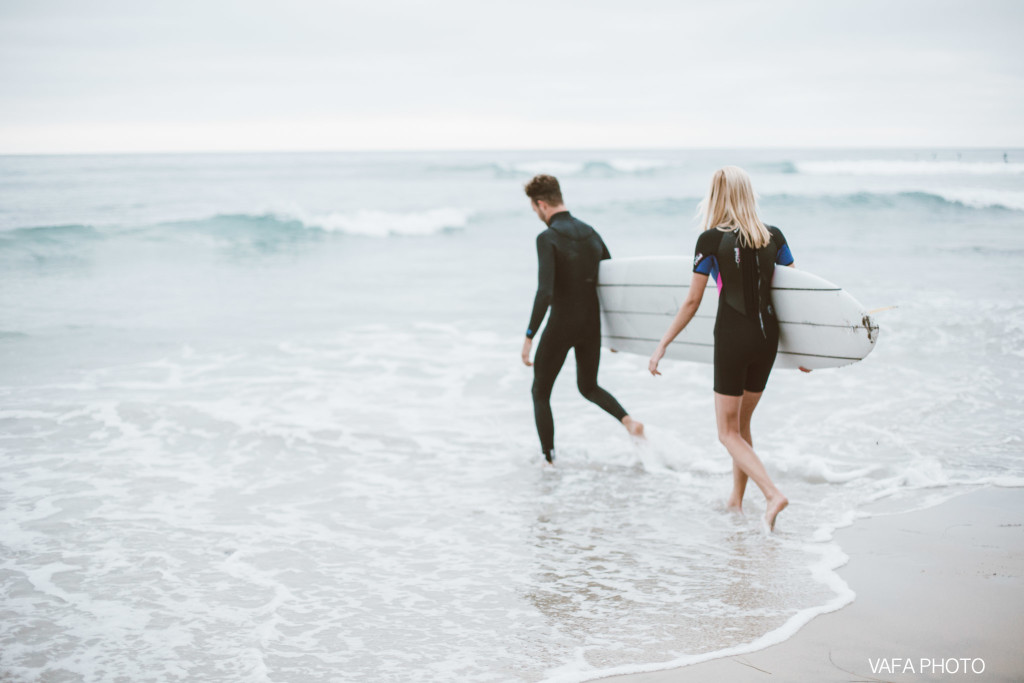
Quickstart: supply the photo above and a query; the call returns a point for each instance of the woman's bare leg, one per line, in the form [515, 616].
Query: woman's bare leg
[739, 486]
[727, 412]
[739, 478]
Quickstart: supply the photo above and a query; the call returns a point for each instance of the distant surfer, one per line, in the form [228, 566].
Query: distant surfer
[739, 252]
[569, 253]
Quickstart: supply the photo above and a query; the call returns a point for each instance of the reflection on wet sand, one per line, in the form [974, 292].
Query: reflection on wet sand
[599, 567]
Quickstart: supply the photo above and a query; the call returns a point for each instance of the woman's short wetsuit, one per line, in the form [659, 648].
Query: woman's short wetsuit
[746, 329]
[569, 253]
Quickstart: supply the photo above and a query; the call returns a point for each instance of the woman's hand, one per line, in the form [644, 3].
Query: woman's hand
[656, 357]
[683, 316]
[527, 345]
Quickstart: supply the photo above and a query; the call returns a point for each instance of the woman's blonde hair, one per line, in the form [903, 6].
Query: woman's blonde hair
[731, 203]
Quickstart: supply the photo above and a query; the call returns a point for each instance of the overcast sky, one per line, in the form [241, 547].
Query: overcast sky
[125, 75]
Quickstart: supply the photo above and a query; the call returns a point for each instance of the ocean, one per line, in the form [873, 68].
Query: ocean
[263, 418]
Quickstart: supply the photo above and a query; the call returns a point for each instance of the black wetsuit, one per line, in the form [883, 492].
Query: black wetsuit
[746, 329]
[569, 253]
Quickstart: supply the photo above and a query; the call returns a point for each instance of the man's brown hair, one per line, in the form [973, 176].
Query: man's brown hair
[544, 188]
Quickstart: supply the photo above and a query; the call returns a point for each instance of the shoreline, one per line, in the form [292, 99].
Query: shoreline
[935, 588]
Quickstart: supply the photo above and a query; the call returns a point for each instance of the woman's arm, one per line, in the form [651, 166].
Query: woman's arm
[686, 312]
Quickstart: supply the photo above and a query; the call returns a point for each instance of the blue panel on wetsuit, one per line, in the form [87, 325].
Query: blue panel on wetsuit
[707, 265]
[785, 256]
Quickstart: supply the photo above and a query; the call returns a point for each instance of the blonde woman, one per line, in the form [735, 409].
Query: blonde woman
[740, 253]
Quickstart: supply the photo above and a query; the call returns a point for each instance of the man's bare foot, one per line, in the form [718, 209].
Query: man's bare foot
[634, 427]
[775, 506]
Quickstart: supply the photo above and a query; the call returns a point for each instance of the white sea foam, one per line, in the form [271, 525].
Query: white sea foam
[557, 168]
[972, 197]
[312, 490]
[386, 223]
[983, 198]
[907, 168]
[266, 488]
[639, 165]
[623, 165]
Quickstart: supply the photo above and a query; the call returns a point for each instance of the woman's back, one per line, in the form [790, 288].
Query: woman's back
[743, 274]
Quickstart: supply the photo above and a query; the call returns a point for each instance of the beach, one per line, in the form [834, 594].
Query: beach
[263, 417]
[939, 592]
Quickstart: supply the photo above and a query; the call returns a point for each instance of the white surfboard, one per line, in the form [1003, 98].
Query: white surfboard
[820, 325]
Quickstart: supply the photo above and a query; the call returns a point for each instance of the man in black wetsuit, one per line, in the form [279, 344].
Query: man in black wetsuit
[569, 253]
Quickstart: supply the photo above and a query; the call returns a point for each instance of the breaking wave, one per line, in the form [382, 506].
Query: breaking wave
[388, 223]
[227, 226]
[908, 168]
[977, 199]
[964, 198]
[581, 168]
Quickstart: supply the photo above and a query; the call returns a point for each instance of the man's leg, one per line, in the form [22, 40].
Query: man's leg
[588, 358]
[547, 363]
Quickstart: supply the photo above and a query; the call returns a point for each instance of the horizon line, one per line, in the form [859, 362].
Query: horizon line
[448, 150]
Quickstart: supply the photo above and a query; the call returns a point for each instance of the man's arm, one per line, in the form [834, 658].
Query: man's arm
[545, 283]
[545, 290]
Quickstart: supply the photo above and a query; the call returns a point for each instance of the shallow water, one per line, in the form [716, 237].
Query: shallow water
[262, 416]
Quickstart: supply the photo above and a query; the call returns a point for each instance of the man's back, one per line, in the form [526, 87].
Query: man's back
[569, 254]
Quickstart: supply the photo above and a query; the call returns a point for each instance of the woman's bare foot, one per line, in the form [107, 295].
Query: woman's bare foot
[634, 427]
[734, 505]
[775, 506]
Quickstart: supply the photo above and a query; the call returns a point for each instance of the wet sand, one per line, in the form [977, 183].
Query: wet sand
[933, 586]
